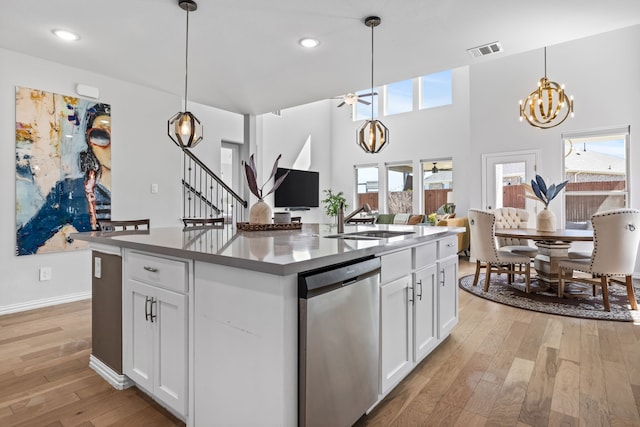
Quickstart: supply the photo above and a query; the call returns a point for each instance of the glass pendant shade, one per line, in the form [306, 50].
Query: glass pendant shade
[372, 136]
[185, 130]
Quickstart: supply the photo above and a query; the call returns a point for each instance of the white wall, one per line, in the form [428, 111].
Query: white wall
[142, 154]
[287, 135]
[433, 133]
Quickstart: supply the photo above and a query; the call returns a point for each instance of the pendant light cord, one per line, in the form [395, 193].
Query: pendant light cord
[186, 63]
[545, 62]
[372, 95]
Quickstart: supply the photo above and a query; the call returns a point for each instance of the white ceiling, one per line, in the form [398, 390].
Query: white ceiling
[245, 57]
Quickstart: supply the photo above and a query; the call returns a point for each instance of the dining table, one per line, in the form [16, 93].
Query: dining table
[553, 247]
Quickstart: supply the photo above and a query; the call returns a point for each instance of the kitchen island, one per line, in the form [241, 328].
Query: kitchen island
[210, 316]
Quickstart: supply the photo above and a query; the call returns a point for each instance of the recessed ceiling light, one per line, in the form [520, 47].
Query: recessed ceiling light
[66, 35]
[309, 43]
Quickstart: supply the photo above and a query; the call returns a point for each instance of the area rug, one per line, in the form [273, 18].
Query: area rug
[588, 307]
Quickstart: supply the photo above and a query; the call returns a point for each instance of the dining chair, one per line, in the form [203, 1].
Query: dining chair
[514, 218]
[190, 223]
[125, 225]
[616, 236]
[484, 249]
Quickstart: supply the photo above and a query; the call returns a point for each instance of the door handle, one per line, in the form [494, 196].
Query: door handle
[147, 311]
[419, 282]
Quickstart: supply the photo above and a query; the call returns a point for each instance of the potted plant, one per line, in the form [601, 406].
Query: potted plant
[332, 202]
[538, 190]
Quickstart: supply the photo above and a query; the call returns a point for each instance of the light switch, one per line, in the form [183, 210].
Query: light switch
[97, 267]
[154, 188]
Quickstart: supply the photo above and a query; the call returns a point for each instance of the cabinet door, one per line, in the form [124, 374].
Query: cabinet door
[396, 312]
[447, 295]
[138, 344]
[170, 359]
[425, 331]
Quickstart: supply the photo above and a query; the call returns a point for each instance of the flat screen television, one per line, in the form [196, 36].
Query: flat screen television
[300, 189]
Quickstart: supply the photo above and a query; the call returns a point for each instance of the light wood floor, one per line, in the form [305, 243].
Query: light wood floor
[500, 367]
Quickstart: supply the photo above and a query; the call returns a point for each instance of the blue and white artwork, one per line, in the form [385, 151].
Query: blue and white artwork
[63, 169]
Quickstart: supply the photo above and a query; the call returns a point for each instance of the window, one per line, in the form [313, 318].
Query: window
[436, 90]
[367, 187]
[363, 111]
[596, 166]
[399, 97]
[400, 188]
[437, 179]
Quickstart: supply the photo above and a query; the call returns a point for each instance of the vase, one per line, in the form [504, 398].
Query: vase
[260, 213]
[546, 220]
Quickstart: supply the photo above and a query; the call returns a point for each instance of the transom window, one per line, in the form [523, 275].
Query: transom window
[436, 90]
[399, 97]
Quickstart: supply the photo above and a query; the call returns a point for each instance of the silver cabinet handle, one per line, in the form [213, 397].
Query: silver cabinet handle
[410, 293]
[443, 279]
[151, 269]
[450, 245]
[152, 316]
[147, 311]
[419, 282]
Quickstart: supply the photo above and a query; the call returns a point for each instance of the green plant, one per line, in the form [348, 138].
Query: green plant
[252, 177]
[538, 190]
[332, 202]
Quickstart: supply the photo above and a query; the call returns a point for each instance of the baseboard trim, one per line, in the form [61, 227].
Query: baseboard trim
[118, 381]
[32, 305]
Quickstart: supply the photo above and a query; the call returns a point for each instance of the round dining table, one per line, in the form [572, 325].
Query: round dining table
[553, 247]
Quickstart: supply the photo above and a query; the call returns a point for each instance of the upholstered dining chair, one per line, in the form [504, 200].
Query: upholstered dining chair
[514, 218]
[616, 235]
[484, 249]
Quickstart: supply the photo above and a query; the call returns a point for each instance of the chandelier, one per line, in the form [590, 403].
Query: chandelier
[184, 128]
[548, 105]
[372, 136]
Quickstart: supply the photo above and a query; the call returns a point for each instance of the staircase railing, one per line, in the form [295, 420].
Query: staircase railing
[205, 195]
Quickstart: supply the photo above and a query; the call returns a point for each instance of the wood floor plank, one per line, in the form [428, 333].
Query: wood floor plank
[532, 341]
[537, 403]
[469, 419]
[570, 345]
[506, 410]
[566, 390]
[483, 399]
[622, 403]
[609, 343]
[593, 397]
[502, 360]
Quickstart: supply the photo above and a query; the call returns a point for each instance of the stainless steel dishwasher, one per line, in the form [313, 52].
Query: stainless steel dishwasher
[338, 343]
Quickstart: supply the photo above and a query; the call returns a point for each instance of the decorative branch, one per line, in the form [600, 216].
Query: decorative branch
[252, 177]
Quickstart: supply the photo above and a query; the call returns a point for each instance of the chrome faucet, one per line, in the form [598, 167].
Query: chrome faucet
[341, 218]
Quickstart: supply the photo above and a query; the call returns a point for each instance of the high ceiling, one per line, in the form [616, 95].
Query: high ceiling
[245, 57]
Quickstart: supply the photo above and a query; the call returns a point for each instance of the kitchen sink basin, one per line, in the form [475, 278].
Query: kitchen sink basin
[370, 235]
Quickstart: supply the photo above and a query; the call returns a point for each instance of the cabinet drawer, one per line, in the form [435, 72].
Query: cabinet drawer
[448, 247]
[425, 255]
[167, 273]
[395, 265]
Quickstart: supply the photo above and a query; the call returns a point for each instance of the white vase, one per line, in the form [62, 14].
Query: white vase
[546, 220]
[260, 213]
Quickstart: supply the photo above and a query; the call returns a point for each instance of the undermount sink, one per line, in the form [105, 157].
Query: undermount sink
[370, 235]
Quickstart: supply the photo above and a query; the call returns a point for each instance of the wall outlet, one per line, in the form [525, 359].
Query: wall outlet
[97, 267]
[45, 273]
[154, 188]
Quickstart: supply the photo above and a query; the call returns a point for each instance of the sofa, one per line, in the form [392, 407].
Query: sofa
[407, 219]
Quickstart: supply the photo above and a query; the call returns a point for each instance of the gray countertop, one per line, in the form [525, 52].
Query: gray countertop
[281, 252]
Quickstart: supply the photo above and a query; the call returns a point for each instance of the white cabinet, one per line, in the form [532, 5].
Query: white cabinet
[396, 325]
[447, 295]
[417, 311]
[425, 330]
[155, 326]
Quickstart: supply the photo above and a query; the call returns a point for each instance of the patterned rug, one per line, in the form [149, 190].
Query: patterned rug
[547, 301]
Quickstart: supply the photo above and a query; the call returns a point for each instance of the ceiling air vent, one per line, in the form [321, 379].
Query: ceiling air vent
[277, 113]
[484, 50]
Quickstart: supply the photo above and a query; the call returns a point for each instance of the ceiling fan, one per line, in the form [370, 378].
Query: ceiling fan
[352, 98]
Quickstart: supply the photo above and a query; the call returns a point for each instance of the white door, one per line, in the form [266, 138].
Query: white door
[502, 177]
[447, 295]
[425, 331]
[138, 345]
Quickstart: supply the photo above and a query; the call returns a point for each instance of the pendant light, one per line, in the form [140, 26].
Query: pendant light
[434, 169]
[184, 128]
[372, 136]
[548, 105]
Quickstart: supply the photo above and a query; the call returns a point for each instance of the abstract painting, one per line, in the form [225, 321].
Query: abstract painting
[63, 169]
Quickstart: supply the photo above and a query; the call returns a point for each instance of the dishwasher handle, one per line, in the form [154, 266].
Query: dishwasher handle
[318, 282]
